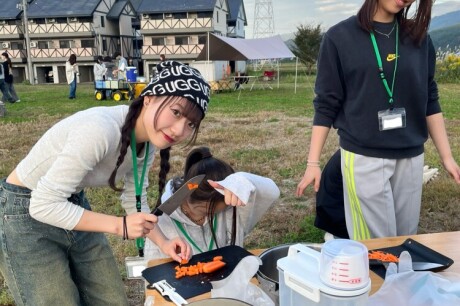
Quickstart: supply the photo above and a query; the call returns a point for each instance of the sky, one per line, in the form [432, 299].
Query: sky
[288, 14]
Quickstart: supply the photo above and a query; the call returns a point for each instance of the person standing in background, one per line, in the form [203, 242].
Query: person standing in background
[71, 73]
[376, 86]
[120, 72]
[8, 69]
[99, 69]
[162, 60]
[3, 87]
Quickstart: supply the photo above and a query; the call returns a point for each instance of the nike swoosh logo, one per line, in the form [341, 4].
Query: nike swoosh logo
[391, 57]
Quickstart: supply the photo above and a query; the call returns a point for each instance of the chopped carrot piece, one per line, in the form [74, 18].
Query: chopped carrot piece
[383, 256]
[218, 258]
[184, 261]
[212, 266]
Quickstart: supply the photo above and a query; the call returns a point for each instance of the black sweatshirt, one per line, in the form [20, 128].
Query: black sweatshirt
[350, 93]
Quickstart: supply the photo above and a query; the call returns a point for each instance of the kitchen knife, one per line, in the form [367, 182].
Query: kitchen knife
[179, 196]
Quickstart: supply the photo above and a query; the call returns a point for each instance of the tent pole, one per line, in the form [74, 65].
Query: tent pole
[207, 62]
[278, 73]
[295, 82]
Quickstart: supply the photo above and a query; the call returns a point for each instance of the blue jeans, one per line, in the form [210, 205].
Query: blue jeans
[73, 88]
[47, 265]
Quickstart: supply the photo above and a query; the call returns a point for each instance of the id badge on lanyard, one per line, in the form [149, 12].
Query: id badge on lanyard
[391, 118]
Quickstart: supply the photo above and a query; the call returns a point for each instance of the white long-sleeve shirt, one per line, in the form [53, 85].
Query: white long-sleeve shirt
[78, 152]
[258, 192]
[70, 71]
[99, 71]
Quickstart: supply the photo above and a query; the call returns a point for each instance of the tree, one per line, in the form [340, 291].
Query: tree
[307, 41]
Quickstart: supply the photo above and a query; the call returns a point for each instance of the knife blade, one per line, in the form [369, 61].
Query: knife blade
[423, 266]
[171, 204]
[416, 265]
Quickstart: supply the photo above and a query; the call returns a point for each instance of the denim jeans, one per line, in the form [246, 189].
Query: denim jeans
[47, 265]
[73, 87]
[6, 93]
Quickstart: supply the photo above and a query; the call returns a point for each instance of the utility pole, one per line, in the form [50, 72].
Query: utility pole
[25, 22]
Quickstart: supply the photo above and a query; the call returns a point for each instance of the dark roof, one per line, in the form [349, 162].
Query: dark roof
[8, 9]
[117, 9]
[62, 8]
[136, 4]
[234, 8]
[172, 6]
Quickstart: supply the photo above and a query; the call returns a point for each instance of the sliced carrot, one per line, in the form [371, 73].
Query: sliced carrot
[212, 266]
[383, 256]
[218, 258]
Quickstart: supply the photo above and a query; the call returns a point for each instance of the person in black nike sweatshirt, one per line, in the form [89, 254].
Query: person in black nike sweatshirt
[376, 86]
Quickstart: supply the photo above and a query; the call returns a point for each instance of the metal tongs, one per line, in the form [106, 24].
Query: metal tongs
[166, 289]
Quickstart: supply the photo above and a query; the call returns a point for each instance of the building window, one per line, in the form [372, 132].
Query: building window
[39, 20]
[66, 44]
[204, 14]
[87, 43]
[202, 39]
[102, 22]
[104, 44]
[44, 44]
[181, 40]
[158, 41]
[217, 15]
[156, 16]
[180, 15]
[17, 46]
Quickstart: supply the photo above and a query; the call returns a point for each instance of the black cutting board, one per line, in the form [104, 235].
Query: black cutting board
[418, 252]
[190, 286]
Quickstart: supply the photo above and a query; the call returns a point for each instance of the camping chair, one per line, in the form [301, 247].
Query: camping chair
[240, 79]
[268, 77]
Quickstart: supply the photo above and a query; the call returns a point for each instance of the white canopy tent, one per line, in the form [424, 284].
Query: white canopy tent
[237, 49]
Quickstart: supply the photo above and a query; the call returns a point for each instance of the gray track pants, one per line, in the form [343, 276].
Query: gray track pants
[382, 196]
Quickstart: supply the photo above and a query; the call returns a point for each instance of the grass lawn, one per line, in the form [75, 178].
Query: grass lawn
[266, 132]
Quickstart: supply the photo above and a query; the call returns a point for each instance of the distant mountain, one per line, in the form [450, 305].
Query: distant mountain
[445, 31]
[446, 20]
[446, 38]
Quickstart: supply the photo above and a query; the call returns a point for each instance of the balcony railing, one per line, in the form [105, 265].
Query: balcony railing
[15, 54]
[62, 52]
[8, 31]
[186, 23]
[60, 28]
[172, 49]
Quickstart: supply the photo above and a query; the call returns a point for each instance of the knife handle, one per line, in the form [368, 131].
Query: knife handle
[157, 212]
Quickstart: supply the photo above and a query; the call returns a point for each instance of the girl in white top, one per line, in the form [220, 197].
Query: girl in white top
[222, 211]
[99, 69]
[53, 250]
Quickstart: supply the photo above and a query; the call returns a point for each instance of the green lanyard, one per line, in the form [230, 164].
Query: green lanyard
[138, 185]
[182, 229]
[379, 63]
